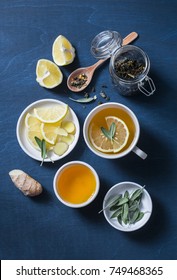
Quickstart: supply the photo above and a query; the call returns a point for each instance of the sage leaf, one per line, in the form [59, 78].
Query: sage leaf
[84, 100]
[126, 194]
[114, 207]
[117, 213]
[109, 133]
[134, 206]
[112, 129]
[122, 201]
[115, 200]
[125, 213]
[134, 216]
[42, 146]
[137, 193]
[141, 215]
[38, 141]
[119, 219]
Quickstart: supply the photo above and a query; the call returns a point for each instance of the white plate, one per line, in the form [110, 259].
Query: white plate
[146, 205]
[21, 130]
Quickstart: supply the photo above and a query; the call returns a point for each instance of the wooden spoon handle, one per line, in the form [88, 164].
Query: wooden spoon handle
[129, 38]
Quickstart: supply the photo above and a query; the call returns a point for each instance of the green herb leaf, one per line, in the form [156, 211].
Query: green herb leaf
[42, 146]
[84, 100]
[38, 141]
[137, 193]
[134, 216]
[117, 213]
[125, 213]
[126, 194]
[134, 206]
[141, 215]
[113, 129]
[122, 201]
[109, 133]
[126, 207]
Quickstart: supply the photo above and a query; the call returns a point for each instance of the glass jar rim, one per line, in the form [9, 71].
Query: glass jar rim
[105, 43]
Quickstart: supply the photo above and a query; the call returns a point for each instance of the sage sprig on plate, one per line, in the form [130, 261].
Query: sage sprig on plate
[126, 208]
[42, 146]
[109, 133]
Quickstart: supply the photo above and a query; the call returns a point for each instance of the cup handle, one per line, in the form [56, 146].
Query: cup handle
[139, 152]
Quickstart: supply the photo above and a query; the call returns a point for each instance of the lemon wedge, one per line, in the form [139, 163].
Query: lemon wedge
[48, 74]
[62, 51]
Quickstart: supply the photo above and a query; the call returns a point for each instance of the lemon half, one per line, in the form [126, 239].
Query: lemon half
[48, 74]
[62, 51]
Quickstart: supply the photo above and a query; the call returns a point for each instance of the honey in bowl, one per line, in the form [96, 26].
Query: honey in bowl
[76, 184]
[99, 120]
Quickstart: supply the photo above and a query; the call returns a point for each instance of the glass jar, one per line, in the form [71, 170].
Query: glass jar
[129, 58]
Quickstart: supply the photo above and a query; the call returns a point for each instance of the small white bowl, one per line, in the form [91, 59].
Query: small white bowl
[21, 130]
[66, 166]
[146, 205]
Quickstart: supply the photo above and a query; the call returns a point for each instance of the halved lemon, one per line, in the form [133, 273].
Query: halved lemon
[51, 114]
[104, 144]
[48, 74]
[62, 51]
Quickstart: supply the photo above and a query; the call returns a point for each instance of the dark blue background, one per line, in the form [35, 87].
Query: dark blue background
[41, 227]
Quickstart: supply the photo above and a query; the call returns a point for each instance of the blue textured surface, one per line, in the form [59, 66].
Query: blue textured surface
[41, 227]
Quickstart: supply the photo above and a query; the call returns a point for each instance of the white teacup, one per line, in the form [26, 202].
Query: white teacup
[134, 134]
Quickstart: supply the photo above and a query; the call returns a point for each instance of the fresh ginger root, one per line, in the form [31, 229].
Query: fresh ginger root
[25, 183]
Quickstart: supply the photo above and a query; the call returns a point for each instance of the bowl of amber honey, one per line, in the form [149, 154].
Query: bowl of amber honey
[76, 184]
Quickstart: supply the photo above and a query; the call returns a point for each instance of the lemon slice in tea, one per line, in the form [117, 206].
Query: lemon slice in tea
[103, 143]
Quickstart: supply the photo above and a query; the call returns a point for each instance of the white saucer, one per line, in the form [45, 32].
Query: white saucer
[21, 130]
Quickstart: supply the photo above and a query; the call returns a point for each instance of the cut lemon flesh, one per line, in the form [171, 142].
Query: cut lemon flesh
[62, 51]
[48, 74]
[56, 137]
[104, 144]
[49, 132]
[31, 138]
[51, 114]
[32, 123]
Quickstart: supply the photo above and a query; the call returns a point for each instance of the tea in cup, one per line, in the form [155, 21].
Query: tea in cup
[112, 130]
[76, 184]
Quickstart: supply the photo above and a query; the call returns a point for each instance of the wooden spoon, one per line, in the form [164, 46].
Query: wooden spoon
[89, 71]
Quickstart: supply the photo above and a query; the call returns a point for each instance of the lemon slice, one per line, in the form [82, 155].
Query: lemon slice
[31, 138]
[104, 144]
[32, 123]
[48, 74]
[51, 114]
[62, 51]
[49, 132]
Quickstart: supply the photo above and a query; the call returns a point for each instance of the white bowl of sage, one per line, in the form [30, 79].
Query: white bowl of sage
[127, 206]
